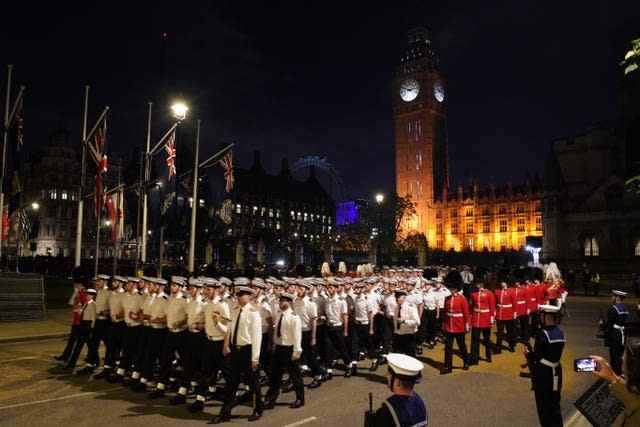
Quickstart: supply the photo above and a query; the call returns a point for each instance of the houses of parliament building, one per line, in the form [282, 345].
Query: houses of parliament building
[472, 217]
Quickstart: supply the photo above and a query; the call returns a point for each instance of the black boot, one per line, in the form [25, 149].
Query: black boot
[315, 383]
[445, 371]
[178, 399]
[196, 406]
[223, 417]
[297, 404]
[257, 413]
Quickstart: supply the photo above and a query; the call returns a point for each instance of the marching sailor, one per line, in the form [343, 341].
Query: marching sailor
[614, 332]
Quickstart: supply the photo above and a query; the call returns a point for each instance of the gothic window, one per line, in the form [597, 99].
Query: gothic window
[469, 212]
[438, 214]
[454, 228]
[538, 223]
[503, 226]
[636, 250]
[485, 211]
[591, 247]
[439, 228]
[439, 244]
[454, 213]
[486, 227]
[520, 208]
[520, 224]
[469, 228]
[502, 210]
[63, 195]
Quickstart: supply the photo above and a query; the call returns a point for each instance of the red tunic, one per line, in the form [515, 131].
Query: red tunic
[520, 297]
[78, 302]
[541, 292]
[504, 304]
[456, 314]
[484, 308]
[532, 299]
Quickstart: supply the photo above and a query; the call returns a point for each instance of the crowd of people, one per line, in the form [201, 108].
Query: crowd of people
[204, 336]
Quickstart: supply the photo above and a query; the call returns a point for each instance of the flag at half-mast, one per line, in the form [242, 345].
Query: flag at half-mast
[97, 150]
[170, 148]
[227, 165]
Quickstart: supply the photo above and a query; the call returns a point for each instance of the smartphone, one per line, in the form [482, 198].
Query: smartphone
[585, 364]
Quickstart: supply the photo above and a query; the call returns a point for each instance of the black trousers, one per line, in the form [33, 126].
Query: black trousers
[155, 345]
[387, 337]
[175, 342]
[281, 361]
[509, 327]
[430, 325]
[534, 323]
[192, 359]
[336, 338]
[349, 340]
[421, 336]
[114, 349]
[475, 343]
[448, 348]
[144, 336]
[616, 350]
[378, 334]
[323, 344]
[130, 347]
[83, 333]
[265, 357]
[547, 396]
[309, 354]
[523, 328]
[405, 344]
[213, 361]
[99, 334]
[362, 341]
[241, 368]
[71, 342]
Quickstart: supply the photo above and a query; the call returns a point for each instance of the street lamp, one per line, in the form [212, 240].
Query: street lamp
[107, 223]
[379, 198]
[179, 109]
[35, 206]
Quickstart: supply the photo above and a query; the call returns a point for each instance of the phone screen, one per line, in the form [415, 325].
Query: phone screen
[586, 364]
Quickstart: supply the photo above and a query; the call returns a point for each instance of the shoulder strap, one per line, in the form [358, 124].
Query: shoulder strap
[393, 413]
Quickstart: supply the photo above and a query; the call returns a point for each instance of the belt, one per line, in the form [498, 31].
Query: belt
[103, 317]
[212, 338]
[481, 310]
[621, 329]
[455, 314]
[134, 324]
[176, 330]
[521, 302]
[154, 326]
[549, 364]
[505, 305]
[362, 323]
[195, 330]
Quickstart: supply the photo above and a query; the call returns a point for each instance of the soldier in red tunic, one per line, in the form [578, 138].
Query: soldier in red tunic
[483, 313]
[522, 316]
[532, 307]
[455, 325]
[505, 315]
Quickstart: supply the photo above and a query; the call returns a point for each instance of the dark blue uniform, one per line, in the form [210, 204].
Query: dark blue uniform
[402, 411]
[546, 374]
[614, 335]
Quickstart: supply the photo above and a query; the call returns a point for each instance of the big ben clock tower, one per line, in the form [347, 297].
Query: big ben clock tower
[419, 110]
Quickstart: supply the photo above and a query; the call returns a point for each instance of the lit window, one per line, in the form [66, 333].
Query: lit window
[637, 248]
[454, 213]
[329, 229]
[538, 223]
[520, 208]
[278, 213]
[306, 217]
[520, 224]
[299, 216]
[270, 213]
[503, 226]
[329, 220]
[293, 215]
[591, 247]
[439, 228]
[485, 211]
[201, 203]
[238, 209]
[53, 194]
[469, 228]
[469, 212]
[278, 225]
[63, 195]
[486, 227]
[454, 228]
[502, 210]
[230, 231]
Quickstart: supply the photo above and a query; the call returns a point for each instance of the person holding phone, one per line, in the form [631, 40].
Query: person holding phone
[625, 388]
[546, 370]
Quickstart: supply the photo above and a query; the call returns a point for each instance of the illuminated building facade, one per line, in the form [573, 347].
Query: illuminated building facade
[467, 218]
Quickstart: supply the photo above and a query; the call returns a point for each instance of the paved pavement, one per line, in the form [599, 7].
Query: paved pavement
[33, 391]
[56, 324]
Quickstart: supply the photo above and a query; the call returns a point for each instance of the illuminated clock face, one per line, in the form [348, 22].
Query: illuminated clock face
[409, 90]
[438, 91]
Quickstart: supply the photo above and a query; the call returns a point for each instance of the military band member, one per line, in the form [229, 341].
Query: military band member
[546, 370]
[483, 313]
[614, 330]
[286, 353]
[242, 343]
[100, 332]
[522, 316]
[87, 321]
[505, 315]
[217, 316]
[456, 325]
[76, 301]
[532, 308]
[176, 335]
[405, 324]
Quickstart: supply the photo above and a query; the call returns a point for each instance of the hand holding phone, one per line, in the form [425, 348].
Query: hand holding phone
[585, 364]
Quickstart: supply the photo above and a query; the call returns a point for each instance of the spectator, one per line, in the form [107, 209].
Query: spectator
[625, 388]
[595, 283]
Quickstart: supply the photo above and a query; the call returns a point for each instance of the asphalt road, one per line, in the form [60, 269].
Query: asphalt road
[33, 393]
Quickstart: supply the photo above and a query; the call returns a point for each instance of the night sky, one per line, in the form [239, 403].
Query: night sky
[297, 78]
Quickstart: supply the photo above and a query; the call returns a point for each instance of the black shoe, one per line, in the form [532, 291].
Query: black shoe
[60, 358]
[178, 399]
[196, 406]
[354, 370]
[419, 349]
[374, 366]
[348, 372]
[328, 376]
[255, 416]
[465, 366]
[101, 375]
[87, 370]
[156, 394]
[114, 378]
[445, 371]
[219, 419]
[271, 403]
[297, 404]
[287, 388]
[138, 387]
[314, 384]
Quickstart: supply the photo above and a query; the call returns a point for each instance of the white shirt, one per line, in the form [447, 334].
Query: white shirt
[414, 297]
[132, 304]
[115, 306]
[307, 310]
[158, 309]
[430, 299]
[335, 308]
[265, 309]
[89, 312]
[441, 295]
[102, 302]
[249, 330]
[216, 331]
[195, 314]
[390, 305]
[176, 313]
[290, 330]
[409, 319]
[363, 306]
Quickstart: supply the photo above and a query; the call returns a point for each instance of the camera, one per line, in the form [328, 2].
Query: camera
[584, 364]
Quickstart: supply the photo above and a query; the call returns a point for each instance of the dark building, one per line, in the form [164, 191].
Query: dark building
[275, 219]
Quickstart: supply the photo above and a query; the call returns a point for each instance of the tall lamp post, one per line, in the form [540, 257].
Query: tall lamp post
[379, 198]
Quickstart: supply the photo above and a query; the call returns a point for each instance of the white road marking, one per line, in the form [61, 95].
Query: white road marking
[19, 358]
[573, 418]
[297, 423]
[55, 399]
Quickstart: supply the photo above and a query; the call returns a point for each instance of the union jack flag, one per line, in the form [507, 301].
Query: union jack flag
[227, 164]
[97, 149]
[19, 126]
[170, 148]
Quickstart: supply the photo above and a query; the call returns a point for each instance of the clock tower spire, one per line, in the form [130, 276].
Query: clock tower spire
[419, 111]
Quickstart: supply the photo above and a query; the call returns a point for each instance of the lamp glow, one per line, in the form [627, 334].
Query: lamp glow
[179, 110]
[379, 198]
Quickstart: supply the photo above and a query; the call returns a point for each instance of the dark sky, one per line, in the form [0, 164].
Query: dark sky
[297, 78]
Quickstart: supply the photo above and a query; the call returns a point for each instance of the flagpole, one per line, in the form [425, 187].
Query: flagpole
[78, 258]
[4, 152]
[143, 254]
[116, 242]
[99, 199]
[194, 203]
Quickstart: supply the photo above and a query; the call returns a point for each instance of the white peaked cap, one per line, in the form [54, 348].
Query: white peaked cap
[325, 269]
[619, 293]
[402, 364]
[342, 267]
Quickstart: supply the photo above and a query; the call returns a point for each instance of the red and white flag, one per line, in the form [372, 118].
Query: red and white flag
[227, 164]
[170, 148]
